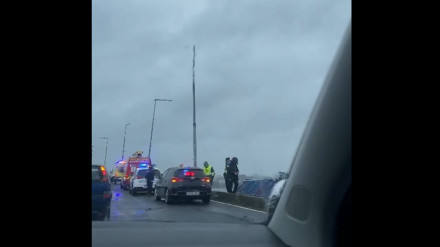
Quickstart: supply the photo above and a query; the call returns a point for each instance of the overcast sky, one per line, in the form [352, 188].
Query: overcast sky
[259, 67]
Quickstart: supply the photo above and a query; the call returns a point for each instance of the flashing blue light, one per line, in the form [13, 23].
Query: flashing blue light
[142, 165]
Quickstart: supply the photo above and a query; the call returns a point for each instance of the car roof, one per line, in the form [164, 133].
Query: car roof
[144, 168]
[183, 168]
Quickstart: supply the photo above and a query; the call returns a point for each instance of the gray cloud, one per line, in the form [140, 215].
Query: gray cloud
[259, 69]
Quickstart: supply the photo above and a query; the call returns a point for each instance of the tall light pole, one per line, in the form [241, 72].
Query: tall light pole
[152, 123]
[105, 158]
[194, 108]
[123, 145]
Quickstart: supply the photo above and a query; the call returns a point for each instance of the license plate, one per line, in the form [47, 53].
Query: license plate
[192, 193]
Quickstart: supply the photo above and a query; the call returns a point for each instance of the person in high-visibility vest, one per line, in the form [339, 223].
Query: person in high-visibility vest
[209, 171]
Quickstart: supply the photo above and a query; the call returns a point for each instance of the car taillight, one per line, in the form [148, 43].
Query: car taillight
[107, 194]
[206, 180]
[103, 171]
[175, 180]
[190, 174]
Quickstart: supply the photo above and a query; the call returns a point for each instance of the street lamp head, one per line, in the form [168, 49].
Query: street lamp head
[152, 122]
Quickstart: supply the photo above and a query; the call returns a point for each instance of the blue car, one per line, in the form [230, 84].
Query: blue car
[101, 193]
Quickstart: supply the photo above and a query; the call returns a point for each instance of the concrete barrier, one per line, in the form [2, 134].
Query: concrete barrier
[251, 202]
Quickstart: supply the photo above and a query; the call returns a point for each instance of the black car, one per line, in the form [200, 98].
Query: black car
[101, 193]
[178, 183]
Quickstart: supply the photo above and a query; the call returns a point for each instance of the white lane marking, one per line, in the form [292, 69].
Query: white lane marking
[239, 207]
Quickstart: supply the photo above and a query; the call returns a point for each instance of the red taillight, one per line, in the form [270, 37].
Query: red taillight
[103, 171]
[190, 174]
[107, 194]
[206, 180]
[175, 180]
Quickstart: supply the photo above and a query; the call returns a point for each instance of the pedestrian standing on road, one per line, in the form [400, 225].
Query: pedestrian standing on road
[232, 168]
[228, 181]
[150, 177]
[209, 171]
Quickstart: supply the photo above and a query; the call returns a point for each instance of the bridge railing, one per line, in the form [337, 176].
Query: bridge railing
[257, 188]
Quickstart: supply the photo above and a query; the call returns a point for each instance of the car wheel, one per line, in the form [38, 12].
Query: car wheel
[107, 214]
[132, 190]
[156, 196]
[206, 199]
[167, 197]
[102, 216]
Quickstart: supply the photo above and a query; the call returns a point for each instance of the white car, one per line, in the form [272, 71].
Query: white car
[138, 183]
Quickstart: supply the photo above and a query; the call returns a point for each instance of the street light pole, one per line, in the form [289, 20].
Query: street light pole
[123, 145]
[105, 158]
[194, 108]
[152, 122]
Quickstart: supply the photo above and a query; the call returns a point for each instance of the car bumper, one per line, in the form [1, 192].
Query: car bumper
[190, 193]
[100, 203]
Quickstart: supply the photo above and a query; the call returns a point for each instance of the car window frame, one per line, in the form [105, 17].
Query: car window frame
[165, 173]
[101, 176]
[202, 173]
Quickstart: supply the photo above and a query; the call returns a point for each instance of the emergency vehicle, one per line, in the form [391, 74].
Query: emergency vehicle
[130, 166]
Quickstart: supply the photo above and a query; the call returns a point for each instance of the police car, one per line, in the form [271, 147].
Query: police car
[138, 183]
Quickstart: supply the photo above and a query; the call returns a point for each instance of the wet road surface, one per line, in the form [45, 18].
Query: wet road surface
[143, 207]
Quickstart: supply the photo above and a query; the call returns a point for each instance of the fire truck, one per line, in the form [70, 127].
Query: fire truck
[131, 165]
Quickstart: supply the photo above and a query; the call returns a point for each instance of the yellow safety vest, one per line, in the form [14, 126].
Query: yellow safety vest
[207, 170]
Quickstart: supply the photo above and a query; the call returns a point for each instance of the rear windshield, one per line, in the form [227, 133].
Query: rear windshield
[197, 173]
[96, 174]
[142, 173]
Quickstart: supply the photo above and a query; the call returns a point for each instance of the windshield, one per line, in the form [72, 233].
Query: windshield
[230, 83]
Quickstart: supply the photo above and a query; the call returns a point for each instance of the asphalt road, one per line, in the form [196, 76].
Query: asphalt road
[143, 207]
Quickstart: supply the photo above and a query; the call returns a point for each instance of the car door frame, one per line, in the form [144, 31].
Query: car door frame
[310, 210]
[160, 182]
